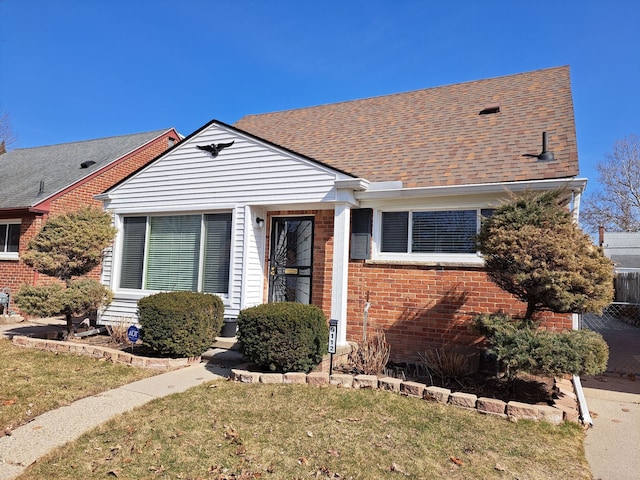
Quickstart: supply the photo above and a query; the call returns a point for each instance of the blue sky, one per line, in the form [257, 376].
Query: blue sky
[79, 69]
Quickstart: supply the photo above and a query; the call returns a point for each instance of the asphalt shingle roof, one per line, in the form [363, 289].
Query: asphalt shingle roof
[22, 169]
[437, 136]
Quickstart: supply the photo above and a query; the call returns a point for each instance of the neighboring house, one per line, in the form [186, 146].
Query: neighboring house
[623, 248]
[367, 208]
[36, 182]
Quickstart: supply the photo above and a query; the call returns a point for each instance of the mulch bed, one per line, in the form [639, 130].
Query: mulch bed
[526, 388]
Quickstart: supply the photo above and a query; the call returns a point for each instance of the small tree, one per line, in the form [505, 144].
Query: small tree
[69, 245]
[534, 250]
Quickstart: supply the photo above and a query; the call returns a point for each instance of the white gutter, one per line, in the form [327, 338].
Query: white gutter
[582, 402]
[576, 184]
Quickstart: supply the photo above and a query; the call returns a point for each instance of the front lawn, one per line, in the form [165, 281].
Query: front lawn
[33, 382]
[229, 430]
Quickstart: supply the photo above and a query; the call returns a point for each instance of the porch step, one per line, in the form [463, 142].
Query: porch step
[227, 343]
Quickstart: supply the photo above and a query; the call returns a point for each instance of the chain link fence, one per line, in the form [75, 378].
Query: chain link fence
[619, 324]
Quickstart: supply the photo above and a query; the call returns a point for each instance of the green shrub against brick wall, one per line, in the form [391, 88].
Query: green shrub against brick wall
[283, 337]
[180, 324]
[521, 347]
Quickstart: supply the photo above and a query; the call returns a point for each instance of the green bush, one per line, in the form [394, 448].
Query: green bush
[81, 297]
[522, 348]
[180, 324]
[284, 337]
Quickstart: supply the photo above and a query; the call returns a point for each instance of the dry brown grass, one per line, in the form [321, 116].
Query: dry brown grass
[229, 430]
[33, 382]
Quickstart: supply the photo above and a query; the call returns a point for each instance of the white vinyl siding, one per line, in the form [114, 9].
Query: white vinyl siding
[246, 179]
[245, 173]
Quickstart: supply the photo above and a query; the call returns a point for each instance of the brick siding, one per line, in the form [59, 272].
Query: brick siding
[418, 307]
[13, 273]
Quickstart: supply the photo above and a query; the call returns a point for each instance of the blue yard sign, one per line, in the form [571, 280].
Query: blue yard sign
[133, 333]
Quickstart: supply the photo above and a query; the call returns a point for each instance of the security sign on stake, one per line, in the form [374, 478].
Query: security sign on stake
[133, 334]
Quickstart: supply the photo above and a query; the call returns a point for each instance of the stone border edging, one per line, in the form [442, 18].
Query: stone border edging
[106, 353]
[565, 408]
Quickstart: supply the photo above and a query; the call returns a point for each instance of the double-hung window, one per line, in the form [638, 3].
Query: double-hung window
[9, 239]
[435, 233]
[177, 252]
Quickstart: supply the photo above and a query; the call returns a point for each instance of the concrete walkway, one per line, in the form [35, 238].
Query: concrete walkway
[612, 444]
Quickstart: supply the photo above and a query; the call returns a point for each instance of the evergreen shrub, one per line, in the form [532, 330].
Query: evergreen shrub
[180, 324]
[520, 347]
[283, 337]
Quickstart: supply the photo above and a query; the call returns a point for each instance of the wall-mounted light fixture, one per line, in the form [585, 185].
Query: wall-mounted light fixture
[260, 222]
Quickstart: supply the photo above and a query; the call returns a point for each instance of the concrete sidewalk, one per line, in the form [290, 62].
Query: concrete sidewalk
[612, 444]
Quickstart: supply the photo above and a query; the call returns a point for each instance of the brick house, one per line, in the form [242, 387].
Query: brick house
[36, 182]
[366, 208]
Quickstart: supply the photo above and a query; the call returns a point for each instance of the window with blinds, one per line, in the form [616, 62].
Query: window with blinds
[177, 252]
[442, 231]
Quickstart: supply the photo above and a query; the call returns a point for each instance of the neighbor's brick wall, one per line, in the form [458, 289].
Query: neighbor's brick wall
[83, 194]
[15, 273]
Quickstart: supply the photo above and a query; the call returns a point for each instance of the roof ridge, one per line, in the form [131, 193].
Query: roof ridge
[386, 95]
[88, 140]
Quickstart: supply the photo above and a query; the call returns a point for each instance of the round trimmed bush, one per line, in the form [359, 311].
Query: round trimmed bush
[283, 337]
[180, 324]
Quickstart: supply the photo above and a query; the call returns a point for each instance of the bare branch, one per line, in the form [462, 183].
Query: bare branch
[7, 136]
[617, 206]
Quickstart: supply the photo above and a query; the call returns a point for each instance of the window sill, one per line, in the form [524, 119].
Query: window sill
[10, 256]
[135, 295]
[476, 262]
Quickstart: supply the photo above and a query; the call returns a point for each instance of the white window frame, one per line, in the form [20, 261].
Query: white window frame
[11, 255]
[133, 293]
[423, 257]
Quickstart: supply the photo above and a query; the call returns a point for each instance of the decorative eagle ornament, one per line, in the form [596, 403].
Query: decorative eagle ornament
[215, 149]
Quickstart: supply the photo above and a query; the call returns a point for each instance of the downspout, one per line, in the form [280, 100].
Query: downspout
[582, 402]
[365, 320]
[45, 217]
[577, 385]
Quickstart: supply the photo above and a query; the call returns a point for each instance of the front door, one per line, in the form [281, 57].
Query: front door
[291, 259]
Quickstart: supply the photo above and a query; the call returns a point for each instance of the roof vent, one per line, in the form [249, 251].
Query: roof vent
[490, 108]
[545, 155]
[87, 164]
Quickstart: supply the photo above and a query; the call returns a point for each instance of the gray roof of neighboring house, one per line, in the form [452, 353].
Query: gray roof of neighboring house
[59, 166]
[623, 248]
